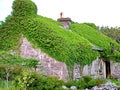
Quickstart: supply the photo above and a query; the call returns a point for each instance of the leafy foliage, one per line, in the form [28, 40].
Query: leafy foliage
[85, 82]
[9, 34]
[95, 37]
[92, 25]
[45, 83]
[61, 44]
[9, 59]
[25, 79]
[113, 33]
[24, 8]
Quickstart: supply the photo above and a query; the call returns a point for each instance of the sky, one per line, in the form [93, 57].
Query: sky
[100, 12]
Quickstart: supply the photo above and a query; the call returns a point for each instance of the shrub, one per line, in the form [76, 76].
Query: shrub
[87, 78]
[24, 79]
[2, 72]
[12, 71]
[84, 82]
[24, 8]
[45, 83]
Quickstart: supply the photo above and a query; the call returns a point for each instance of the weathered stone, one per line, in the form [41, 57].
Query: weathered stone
[86, 70]
[48, 64]
[109, 86]
[98, 69]
[94, 88]
[73, 88]
[115, 70]
[76, 72]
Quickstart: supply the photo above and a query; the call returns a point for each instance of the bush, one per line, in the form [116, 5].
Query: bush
[84, 82]
[2, 72]
[13, 71]
[24, 79]
[117, 82]
[10, 60]
[24, 8]
[87, 78]
[45, 83]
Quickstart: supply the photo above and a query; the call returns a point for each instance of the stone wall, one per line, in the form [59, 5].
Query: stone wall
[96, 69]
[115, 69]
[76, 71]
[48, 64]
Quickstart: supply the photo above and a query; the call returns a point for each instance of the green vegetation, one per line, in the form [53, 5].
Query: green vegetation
[75, 46]
[85, 82]
[9, 35]
[92, 25]
[66, 46]
[63, 45]
[45, 83]
[24, 8]
[24, 78]
[117, 82]
[46, 34]
[9, 59]
[96, 38]
[113, 32]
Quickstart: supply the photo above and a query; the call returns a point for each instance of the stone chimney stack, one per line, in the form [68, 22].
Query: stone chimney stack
[65, 21]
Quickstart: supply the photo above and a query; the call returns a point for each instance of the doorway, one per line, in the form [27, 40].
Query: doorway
[108, 70]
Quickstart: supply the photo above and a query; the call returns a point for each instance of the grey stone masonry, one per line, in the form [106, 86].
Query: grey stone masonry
[76, 71]
[115, 70]
[48, 64]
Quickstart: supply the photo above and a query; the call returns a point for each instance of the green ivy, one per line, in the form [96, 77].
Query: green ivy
[95, 37]
[24, 8]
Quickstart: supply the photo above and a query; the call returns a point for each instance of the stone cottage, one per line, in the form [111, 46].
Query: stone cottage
[49, 66]
[99, 68]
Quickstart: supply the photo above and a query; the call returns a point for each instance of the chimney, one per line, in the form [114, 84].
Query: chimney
[65, 21]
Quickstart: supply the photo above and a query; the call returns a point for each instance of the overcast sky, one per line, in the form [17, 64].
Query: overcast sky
[100, 12]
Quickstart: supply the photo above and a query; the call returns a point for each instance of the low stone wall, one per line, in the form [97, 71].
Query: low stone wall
[49, 65]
